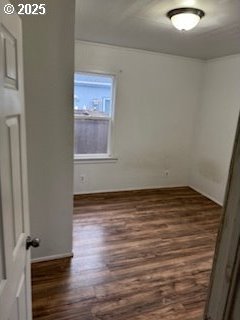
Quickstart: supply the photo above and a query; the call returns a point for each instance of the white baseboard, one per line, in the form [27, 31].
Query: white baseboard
[207, 195]
[131, 189]
[54, 257]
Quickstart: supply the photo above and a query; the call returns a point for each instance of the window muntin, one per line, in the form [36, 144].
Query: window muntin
[93, 111]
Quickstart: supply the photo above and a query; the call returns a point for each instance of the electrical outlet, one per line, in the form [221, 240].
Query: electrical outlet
[166, 173]
[82, 178]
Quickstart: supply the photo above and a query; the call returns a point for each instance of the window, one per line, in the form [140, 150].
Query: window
[93, 114]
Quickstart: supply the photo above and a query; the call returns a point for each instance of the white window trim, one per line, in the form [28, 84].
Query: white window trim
[90, 117]
[109, 156]
[97, 158]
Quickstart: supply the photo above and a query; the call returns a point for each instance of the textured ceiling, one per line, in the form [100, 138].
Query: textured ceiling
[143, 24]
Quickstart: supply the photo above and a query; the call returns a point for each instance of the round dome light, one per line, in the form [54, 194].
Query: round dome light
[185, 19]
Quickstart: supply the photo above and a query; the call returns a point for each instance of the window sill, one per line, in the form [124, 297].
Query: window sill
[95, 160]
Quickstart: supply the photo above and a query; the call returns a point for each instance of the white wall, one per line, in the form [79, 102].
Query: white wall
[157, 100]
[172, 107]
[215, 126]
[48, 66]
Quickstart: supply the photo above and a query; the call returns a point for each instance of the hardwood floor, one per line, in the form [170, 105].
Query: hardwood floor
[137, 255]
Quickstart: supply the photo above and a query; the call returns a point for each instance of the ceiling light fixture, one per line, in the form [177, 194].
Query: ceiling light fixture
[185, 19]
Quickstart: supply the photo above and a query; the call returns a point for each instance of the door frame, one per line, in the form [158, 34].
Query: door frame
[226, 264]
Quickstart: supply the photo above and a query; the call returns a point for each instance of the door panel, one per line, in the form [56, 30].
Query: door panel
[15, 290]
[14, 312]
[2, 256]
[14, 177]
[21, 299]
[19, 308]
[9, 44]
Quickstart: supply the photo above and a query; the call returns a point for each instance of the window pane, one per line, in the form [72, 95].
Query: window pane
[91, 136]
[93, 94]
[92, 111]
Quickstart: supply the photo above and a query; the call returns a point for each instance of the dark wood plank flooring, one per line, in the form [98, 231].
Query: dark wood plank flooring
[137, 255]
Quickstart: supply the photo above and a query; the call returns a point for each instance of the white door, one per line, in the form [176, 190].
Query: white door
[15, 294]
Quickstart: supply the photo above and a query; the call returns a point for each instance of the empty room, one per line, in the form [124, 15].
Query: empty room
[119, 160]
